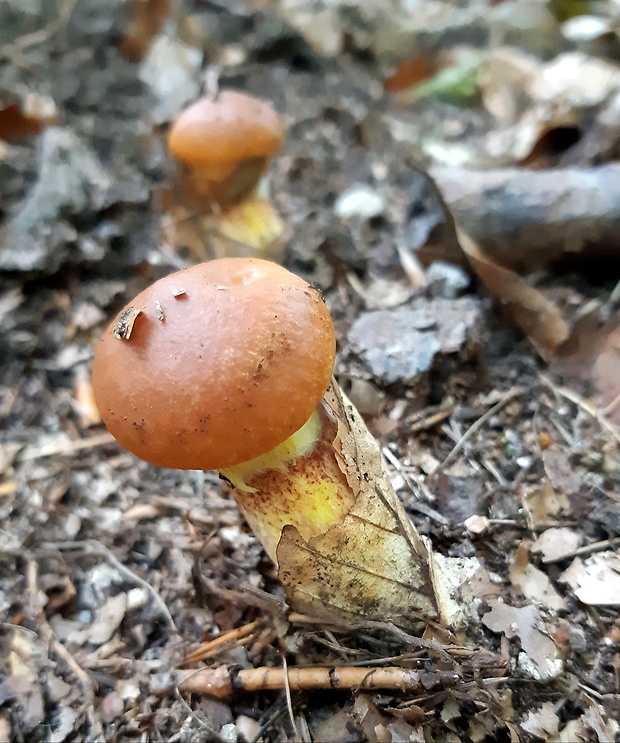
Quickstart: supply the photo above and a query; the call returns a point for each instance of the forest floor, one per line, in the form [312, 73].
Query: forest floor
[491, 382]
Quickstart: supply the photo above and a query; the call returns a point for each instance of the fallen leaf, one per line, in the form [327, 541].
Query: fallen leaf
[20, 680]
[147, 19]
[540, 320]
[607, 370]
[63, 725]
[409, 72]
[559, 470]
[544, 723]
[27, 118]
[592, 359]
[595, 580]
[459, 582]
[592, 720]
[541, 655]
[382, 728]
[605, 730]
[457, 84]
[556, 543]
[373, 563]
[532, 582]
[108, 619]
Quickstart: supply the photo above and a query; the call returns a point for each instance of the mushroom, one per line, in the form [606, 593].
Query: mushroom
[226, 143]
[227, 374]
[227, 365]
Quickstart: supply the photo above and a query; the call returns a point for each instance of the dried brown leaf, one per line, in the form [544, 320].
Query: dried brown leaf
[559, 470]
[540, 320]
[592, 357]
[148, 18]
[372, 564]
[607, 370]
[532, 582]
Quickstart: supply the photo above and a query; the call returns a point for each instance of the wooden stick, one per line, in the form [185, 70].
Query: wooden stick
[232, 638]
[222, 682]
[529, 219]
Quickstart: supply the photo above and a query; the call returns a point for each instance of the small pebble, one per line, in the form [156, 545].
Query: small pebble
[247, 728]
[359, 201]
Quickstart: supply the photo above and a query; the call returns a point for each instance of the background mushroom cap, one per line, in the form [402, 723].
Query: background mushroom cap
[233, 126]
[220, 373]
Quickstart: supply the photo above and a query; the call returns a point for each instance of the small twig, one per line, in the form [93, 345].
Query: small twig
[410, 640]
[55, 646]
[475, 427]
[269, 719]
[221, 682]
[332, 644]
[93, 547]
[589, 549]
[415, 505]
[43, 34]
[584, 405]
[233, 638]
[490, 467]
[66, 447]
[289, 701]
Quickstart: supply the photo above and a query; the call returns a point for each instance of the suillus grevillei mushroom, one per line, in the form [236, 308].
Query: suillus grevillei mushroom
[227, 365]
[224, 144]
[223, 368]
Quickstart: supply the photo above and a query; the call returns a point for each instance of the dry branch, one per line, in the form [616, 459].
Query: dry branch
[528, 219]
[221, 682]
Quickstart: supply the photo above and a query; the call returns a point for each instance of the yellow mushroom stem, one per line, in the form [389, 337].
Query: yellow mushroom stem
[298, 483]
[253, 223]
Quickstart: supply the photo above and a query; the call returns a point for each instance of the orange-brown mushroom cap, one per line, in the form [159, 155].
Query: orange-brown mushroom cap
[231, 127]
[224, 361]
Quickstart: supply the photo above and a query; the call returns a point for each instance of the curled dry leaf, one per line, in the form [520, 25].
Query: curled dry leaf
[371, 564]
[540, 320]
[593, 360]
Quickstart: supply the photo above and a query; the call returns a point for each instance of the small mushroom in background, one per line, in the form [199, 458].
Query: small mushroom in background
[234, 374]
[223, 145]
